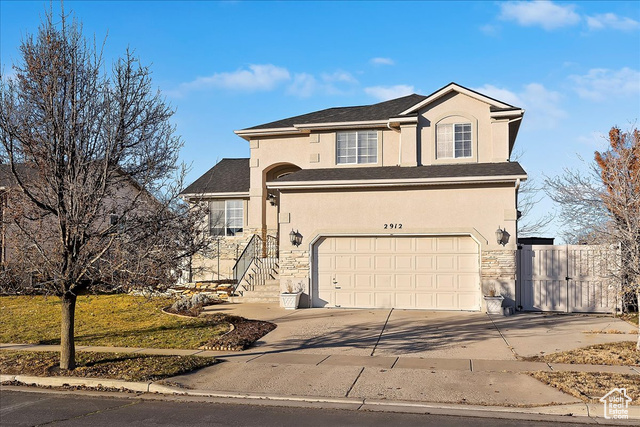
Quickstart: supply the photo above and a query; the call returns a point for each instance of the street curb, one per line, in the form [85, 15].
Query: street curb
[579, 412]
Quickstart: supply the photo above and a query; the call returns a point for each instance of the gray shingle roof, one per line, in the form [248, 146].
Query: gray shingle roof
[398, 172]
[228, 176]
[379, 111]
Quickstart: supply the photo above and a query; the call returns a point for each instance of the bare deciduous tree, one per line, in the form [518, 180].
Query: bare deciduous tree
[93, 159]
[602, 206]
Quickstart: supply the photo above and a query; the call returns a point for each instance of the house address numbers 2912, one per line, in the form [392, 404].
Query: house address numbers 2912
[393, 226]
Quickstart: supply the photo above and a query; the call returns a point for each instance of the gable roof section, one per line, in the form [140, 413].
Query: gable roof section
[397, 109]
[227, 176]
[504, 171]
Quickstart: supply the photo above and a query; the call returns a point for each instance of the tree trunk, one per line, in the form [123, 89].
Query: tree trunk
[67, 344]
[638, 308]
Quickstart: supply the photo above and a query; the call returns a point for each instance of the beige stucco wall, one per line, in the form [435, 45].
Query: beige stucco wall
[477, 211]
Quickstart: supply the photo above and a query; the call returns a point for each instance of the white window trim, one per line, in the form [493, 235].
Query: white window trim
[356, 133]
[225, 223]
[453, 126]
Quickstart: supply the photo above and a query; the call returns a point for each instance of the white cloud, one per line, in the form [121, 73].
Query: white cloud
[594, 141]
[256, 78]
[382, 61]
[541, 105]
[384, 93]
[304, 85]
[545, 13]
[601, 83]
[611, 20]
[338, 77]
[489, 30]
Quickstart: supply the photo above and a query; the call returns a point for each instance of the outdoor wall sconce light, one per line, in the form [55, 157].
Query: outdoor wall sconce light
[272, 199]
[295, 237]
[502, 237]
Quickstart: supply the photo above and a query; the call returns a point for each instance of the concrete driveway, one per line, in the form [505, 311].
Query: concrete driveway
[425, 334]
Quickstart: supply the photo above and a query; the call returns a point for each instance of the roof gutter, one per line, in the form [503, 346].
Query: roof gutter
[369, 183]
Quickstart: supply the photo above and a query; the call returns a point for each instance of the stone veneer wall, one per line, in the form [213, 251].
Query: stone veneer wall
[294, 266]
[498, 271]
[204, 266]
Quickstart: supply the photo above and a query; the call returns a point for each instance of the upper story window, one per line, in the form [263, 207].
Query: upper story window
[357, 147]
[453, 140]
[225, 217]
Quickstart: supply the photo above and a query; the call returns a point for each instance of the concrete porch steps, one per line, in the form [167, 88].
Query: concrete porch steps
[267, 293]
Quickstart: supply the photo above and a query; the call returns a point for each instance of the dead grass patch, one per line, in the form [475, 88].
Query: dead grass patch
[590, 386]
[120, 366]
[619, 353]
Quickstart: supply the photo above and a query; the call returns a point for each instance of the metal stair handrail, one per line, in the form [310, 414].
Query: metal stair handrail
[245, 260]
[263, 255]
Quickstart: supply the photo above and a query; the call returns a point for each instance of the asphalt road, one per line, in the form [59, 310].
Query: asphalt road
[19, 408]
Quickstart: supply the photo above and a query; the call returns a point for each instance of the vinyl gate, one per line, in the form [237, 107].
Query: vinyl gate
[568, 278]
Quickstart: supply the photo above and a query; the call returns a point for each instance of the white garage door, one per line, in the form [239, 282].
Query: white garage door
[397, 272]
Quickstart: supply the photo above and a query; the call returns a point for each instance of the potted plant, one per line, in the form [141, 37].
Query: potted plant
[493, 301]
[290, 298]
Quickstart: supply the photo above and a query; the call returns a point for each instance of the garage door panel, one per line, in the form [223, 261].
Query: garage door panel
[445, 282]
[363, 299]
[467, 262]
[424, 282]
[344, 262]
[403, 272]
[383, 281]
[445, 262]
[404, 262]
[364, 244]
[425, 263]
[425, 300]
[344, 299]
[446, 244]
[343, 245]
[383, 299]
[467, 282]
[404, 281]
[364, 262]
[383, 245]
[446, 300]
[384, 262]
[404, 245]
[405, 300]
[364, 281]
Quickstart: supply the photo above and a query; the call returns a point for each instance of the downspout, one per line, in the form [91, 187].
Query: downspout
[518, 254]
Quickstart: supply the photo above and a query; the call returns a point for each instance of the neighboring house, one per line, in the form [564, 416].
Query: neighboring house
[126, 199]
[397, 203]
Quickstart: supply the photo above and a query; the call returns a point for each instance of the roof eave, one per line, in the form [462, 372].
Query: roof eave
[363, 183]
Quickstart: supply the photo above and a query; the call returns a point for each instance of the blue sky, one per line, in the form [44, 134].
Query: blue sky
[573, 66]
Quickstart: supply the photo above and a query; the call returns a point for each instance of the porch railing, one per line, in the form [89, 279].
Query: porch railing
[257, 263]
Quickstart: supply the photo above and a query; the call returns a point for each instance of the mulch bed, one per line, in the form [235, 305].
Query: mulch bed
[245, 333]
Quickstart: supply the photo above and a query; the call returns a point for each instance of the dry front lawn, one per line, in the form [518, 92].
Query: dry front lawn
[106, 320]
[591, 386]
[618, 353]
[120, 366]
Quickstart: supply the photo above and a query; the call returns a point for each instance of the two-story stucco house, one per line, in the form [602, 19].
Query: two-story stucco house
[395, 204]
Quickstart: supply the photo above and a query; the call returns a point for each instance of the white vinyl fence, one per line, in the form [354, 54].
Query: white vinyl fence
[567, 278]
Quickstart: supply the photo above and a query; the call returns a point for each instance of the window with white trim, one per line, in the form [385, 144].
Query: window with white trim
[225, 217]
[357, 147]
[453, 140]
